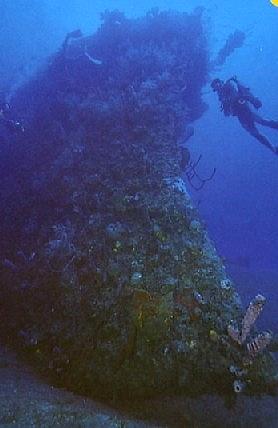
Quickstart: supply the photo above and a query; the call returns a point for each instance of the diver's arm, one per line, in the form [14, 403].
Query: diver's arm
[225, 107]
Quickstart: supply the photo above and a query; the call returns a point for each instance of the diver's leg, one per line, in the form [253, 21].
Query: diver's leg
[265, 122]
[251, 128]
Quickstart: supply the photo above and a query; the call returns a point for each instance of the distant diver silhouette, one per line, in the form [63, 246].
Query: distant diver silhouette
[237, 100]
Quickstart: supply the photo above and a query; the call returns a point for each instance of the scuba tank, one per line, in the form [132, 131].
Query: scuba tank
[246, 95]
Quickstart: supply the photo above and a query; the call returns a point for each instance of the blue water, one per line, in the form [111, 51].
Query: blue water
[239, 205]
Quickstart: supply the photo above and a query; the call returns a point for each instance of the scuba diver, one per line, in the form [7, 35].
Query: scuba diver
[11, 124]
[237, 100]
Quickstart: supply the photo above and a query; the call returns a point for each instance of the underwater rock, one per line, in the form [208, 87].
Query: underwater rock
[239, 386]
[136, 278]
[115, 230]
[125, 283]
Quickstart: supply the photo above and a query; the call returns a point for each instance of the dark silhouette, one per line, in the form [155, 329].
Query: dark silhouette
[76, 34]
[237, 100]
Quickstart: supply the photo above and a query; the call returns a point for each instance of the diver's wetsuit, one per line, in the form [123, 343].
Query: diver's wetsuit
[235, 100]
[248, 118]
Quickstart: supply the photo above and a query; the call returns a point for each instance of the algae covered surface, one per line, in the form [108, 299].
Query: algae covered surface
[110, 284]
